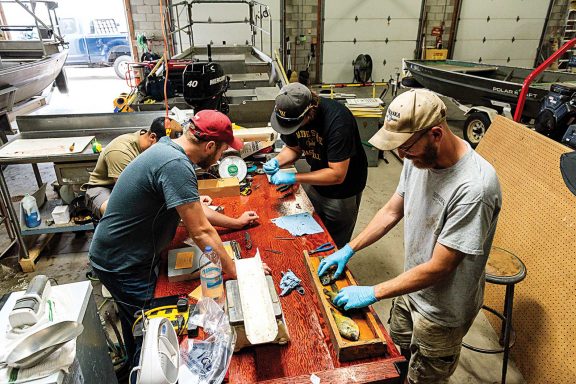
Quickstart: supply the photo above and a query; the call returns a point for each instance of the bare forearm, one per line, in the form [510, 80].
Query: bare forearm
[287, 156]
[209, 237]
[379, 226]
[221, 220]
[326, 176]
[419, 277]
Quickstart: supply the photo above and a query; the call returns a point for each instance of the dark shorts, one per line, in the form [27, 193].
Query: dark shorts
[435, 349]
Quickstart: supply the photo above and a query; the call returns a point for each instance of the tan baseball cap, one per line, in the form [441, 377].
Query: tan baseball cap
[410, 112]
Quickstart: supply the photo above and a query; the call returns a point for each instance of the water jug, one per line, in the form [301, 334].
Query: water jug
[31, 212]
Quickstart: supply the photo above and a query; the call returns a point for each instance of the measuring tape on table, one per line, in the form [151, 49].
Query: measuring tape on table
[233, 166]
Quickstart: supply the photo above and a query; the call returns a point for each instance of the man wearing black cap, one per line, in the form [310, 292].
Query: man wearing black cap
[112, 161]
[157, 190]
[325, 132]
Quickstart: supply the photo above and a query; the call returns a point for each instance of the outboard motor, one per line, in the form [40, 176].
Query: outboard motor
[569, 138]
[557, 112]
[204, 85]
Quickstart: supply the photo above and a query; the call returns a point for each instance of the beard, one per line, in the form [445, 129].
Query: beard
[428, 159]
[207, 162]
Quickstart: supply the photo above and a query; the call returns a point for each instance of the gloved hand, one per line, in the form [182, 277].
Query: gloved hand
[271, 166]
[283, 178]
[339, 258]
[355, 297]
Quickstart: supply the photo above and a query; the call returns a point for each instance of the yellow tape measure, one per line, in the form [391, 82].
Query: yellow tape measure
[179, 320]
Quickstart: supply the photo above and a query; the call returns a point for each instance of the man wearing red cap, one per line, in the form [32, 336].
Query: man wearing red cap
[153, 193]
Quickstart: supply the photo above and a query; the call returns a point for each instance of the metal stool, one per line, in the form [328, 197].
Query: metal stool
[503, 268]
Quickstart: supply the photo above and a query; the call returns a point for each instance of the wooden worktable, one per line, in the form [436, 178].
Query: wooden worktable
[310, 349]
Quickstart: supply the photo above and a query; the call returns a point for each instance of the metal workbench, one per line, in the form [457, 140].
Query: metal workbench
[104, 126]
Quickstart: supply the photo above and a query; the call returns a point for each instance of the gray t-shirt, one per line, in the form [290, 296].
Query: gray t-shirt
[457, 207]
[141, 217]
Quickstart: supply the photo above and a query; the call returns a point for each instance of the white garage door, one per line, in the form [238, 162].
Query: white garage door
[385, 30]
[503, 32]
[230, 34]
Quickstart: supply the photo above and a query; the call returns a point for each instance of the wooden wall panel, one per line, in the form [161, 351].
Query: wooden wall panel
[538, 224]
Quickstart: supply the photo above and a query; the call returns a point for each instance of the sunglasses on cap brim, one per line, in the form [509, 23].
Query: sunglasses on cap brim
[291, 119]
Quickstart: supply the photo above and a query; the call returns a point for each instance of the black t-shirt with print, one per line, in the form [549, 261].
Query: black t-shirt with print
[333, 137]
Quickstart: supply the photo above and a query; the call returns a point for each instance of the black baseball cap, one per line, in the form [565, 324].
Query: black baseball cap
[292, 103]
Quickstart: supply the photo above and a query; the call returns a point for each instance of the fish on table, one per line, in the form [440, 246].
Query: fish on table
[328, 277]
[346, 326]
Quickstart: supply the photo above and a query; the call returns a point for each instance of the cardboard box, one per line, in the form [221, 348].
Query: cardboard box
[229, 186]
[436, 54]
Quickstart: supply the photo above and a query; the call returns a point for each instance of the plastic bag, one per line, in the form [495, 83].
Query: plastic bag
[207, 360]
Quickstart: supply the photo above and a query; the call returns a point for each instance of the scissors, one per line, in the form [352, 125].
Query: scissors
[322, 248]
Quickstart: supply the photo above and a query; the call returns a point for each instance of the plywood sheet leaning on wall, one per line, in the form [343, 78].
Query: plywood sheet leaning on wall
[538, 224]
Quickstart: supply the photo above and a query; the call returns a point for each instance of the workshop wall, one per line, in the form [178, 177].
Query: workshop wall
[147, 21]
[438, 13]
[301, 28]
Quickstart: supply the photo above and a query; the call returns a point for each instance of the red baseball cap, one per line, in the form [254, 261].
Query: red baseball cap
[214, 125]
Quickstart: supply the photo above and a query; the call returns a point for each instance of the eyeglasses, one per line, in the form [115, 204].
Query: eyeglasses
[291, 118]
[406, 149]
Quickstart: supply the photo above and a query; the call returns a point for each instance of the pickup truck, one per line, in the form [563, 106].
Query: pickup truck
[96, 43]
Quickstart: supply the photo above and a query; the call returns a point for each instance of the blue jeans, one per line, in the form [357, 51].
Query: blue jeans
[131, 291]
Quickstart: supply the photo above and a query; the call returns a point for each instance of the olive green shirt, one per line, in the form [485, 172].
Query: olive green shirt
[112, 161]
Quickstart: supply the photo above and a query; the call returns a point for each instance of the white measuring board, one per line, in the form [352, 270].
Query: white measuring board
[259, 320]
[45, 147]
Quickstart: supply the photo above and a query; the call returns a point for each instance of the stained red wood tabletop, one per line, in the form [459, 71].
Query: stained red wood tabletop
[309, 350]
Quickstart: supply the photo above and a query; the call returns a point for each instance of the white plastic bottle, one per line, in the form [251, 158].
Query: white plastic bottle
[31, 212]
[211, 276]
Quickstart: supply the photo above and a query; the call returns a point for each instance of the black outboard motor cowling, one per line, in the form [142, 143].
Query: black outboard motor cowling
[558, 110]
[204, 84]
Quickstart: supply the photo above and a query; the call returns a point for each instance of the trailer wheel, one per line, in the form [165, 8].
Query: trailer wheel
[121, 66]
[475, 127]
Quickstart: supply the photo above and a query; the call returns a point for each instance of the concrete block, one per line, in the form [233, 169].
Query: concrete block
[158, 26]
[139, 17]
[151, 2]
[142, 9]
[306, 24]
[153, 17]
[306, 9]
[144, 25]
[311, 16]
[136, 2]
[436, 9]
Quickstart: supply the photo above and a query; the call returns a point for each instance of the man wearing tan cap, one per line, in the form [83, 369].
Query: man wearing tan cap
[449, 197]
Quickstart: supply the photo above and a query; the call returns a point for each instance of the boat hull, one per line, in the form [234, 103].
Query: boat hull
[30, 78]
[471, 88]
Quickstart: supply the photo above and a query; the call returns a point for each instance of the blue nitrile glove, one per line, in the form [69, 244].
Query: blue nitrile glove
[339, 258]
[355, 297]
[271, 166]
[279, 178]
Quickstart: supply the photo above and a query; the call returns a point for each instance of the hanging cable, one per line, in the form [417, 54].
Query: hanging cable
[166, 60]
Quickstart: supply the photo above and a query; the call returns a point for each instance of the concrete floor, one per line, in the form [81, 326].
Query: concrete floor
[66, 258]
